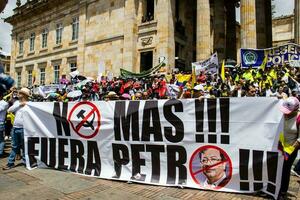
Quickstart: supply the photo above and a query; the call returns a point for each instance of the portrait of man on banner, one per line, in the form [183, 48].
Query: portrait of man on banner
[214, 170]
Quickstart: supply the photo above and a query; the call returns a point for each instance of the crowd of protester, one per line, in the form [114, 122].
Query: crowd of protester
[280, 82]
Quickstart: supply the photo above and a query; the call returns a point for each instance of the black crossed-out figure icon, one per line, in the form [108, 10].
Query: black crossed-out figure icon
[86, 123]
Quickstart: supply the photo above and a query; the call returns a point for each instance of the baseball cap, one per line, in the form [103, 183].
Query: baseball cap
[289, 105]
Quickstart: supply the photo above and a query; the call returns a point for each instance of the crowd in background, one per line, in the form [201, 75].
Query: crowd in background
[275, 81]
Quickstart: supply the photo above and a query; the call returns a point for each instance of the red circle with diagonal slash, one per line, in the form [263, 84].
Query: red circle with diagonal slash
[227, 161]
[94, 110]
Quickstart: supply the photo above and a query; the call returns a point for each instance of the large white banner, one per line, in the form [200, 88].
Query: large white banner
[216, 144]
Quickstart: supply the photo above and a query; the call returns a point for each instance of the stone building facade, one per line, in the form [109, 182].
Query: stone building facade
[283, 30]
[52, 38]
[5, 61]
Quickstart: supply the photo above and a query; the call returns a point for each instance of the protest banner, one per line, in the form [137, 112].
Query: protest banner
[226, 144]
[289, 53]
[46, 89]
[210, 65]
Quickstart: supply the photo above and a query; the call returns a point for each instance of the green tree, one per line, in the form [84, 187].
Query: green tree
[18, 3]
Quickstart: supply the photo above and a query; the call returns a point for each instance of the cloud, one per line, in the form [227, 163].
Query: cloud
[284, 7]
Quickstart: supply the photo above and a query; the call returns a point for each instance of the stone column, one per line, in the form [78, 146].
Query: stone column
[189, 29]
[130, 36]
[268, 18]
[203, 46]
[165, 11]
[230, 30]
[13, 55]
[263, 23]
[81, 37]
[248, 24]
[219, 29]
[297, 21]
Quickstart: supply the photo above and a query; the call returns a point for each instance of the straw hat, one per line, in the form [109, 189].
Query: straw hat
[112, 95]
[25, 91]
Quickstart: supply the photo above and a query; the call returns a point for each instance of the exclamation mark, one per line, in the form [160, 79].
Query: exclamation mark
[257, 169]
[44, 150]
[272, 163]
[199, 108]
[244, 164]
[224, 109]
[52, 152]
[212, 118]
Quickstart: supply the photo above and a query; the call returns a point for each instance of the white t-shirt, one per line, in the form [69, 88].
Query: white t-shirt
[3, 109]
[18, 110]
[290, 130]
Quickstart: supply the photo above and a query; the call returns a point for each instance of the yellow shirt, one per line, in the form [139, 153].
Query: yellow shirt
[248, 76]
[273, 74]
[10, 116]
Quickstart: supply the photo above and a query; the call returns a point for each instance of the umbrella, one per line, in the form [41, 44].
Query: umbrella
[82, 83]
[41, 92]
[74, 73]
[174, 87]
[199, 87]
[74, 94]
[53, 95]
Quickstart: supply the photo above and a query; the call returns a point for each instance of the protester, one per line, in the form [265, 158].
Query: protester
[18, 132]
[281, 82]
[3, 109]
[290, 108]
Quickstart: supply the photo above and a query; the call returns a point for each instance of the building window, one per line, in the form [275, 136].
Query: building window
[42, 76]
[59, 30]
[21, 45]
[32, 40]
[44, 38]
[7, 69]
[75, 28]
[146, 60]
[19, 79]
[73, 66]
[29, 78]
[56, 74]
[148, 11]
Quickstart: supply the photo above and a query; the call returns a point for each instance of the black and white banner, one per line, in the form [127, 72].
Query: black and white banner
[217, 144]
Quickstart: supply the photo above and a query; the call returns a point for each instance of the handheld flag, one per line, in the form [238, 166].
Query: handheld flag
[193, 77]
[264, 63]
[223, 71]
[33, 77]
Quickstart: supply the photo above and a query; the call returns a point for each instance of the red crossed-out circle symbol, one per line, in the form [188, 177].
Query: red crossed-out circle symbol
[215, 162]
[85, 119]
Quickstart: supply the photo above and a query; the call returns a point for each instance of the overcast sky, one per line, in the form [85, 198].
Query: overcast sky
[282, 7]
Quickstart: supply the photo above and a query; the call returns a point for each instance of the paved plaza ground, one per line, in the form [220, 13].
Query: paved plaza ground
[20, 183]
